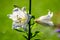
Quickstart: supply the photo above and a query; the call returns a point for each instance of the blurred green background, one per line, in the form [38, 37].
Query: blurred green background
[39, 8]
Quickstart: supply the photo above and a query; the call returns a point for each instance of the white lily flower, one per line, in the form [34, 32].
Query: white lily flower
[20, 18]
[46, 19]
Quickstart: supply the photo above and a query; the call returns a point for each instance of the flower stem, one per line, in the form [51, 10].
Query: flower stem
[29, 21]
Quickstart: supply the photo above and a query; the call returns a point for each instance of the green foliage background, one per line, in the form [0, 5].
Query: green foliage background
[39, 8]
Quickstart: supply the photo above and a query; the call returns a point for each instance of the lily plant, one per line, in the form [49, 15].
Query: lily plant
[21, 19]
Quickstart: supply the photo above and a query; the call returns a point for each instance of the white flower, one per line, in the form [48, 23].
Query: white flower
[20, 18]
[46, 19]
